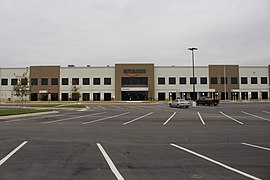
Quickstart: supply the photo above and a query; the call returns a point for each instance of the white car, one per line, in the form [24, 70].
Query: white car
[180, 103]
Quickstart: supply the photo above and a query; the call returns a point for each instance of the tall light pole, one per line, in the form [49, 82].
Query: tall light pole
[192, 49]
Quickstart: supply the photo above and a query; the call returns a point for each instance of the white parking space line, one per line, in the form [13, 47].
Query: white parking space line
[137, 118]
[260, 147]
[201, 118]
[216, 162]
[110, 163]
[101, 107]
[110, 117]
[231, 117]
[266, 112]
[169, 118]
[117, 107]
[66, 119]
[2, 161]
[256, 116]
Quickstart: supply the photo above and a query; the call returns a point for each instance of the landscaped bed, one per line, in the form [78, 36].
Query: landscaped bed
[17, 111]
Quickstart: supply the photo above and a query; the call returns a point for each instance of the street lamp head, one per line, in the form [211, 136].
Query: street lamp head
[192, 48]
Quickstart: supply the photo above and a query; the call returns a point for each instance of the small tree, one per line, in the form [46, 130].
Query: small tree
[21, 90]
[75, 93]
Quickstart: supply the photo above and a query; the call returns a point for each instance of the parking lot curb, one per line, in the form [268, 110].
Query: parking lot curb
[28, 115]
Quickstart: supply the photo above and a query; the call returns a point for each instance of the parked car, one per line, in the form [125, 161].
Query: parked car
[180, 103]
[207, 101]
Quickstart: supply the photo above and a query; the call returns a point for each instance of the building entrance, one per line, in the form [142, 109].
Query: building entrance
[134, 95]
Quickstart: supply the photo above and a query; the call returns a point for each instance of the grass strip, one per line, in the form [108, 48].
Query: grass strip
[7, 112]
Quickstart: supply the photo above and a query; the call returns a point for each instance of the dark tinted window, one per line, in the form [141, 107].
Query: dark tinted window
[182, 80]
[244, 80]
[234, 80]
[64, 81]
[172, 80]
[193, 80]
[86, 81]
[75, 81]
[34, 81]
[4, 82]
[135, 81]
[214, 80]
[203, 80]
[44, 81]
[263, 80]
[224, 80]
[161, 80]
[254, 80]
[107, 81]
[14, 81]
[54, 81]
[96, 81]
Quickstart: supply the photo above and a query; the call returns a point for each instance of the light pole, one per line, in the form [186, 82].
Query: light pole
[192, 49]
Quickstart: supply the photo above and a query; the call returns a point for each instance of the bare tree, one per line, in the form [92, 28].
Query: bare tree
[21, 90]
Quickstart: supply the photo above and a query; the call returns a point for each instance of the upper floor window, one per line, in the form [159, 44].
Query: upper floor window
[96, 81]
[54, 81]
[263, 80]
[203, 80]
[214, 80]
[244, 80]
[34, 81]
[64, 81]
[161, 80]
[224, 80]
[44, 81]
[14, 81]
[107, 81]
[193, 80]
[234, 80]
[172, 80]
[254, 80]
[4, 82]
[86, 81]
[75, 81]
[182, 80]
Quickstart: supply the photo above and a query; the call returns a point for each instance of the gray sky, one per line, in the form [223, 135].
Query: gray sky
[101, 32]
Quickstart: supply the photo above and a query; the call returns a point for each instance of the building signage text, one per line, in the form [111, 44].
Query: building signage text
[134, 71]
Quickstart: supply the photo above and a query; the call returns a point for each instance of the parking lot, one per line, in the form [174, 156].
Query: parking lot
[139, 141]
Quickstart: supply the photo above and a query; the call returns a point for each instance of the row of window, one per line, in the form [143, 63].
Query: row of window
[55, 81]
[213, 80]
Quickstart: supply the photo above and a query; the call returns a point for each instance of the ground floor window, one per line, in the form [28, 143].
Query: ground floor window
[43, 97]
[134, 95]
[75, 96]
[223, 96]
[34, 97]
[64, 97]
[107, 96]
[264, 95]
[161, 96]
[234, 96]
[254, 95]
[86, 97]
[173, 94]
[96, 96]
[244, 96]
[54, 97]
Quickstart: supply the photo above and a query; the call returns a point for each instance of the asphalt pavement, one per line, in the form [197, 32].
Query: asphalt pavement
[139, 142]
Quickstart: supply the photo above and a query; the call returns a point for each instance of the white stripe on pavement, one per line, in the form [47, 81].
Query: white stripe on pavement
[216, 162]
[66, 119]
[110, 163]
[231, 118]
[169, 118]
[256, 116]
[137, 118]
[101, 107]
[201, 118]
[2, 161]
[260, 147]
[266, 112]
[105, 118]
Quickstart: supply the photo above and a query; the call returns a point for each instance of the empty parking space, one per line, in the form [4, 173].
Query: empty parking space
[134, 141]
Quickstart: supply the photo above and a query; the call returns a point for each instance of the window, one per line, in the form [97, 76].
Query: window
[34, 81]
[96, 81]
[4, 82]
[86, 81]
[24, 81]
[64, 81]
[54, 81]
[14, 81]
[161, 80]
[193, 80]
[203, 80]
[214, 80]
[44, 81]
[263, 80]
[172, 80]
[234, 80]
[183, 80]
[107, 81]
[244, 80]
[75, 81]
[224, 80]
[142, 81]
[254, 80]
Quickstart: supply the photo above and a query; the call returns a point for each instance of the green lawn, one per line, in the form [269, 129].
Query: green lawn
[45, 105]
[72, 106]
[7, 112]
[58, 105]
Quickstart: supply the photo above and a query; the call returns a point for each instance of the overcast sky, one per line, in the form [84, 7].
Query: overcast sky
[101, 32]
